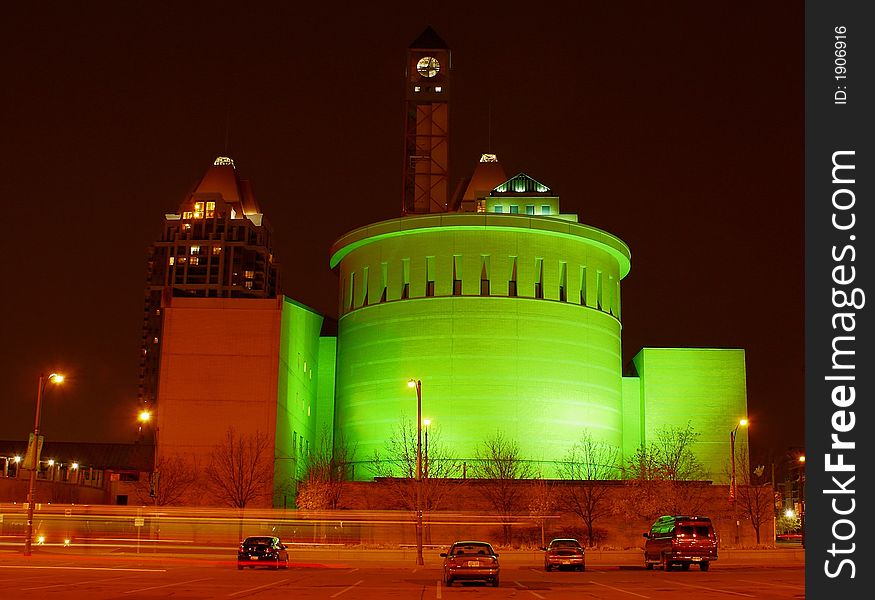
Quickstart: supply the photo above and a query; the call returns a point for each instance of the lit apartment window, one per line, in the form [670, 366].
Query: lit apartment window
[195, 260]
[187, 214]
[187, 226]
[217, 250]
[416, 88]
[198, 210]
[182, 259]
[249, 274]
[248, 284]
[154, 340]
[172, 260]
[438, 89]
[211, 209]
[195, 250]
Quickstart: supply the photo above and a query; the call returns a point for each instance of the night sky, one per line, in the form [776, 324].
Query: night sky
[676, 126]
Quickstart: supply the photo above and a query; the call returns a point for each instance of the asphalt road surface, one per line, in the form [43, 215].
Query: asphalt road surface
[103, 578]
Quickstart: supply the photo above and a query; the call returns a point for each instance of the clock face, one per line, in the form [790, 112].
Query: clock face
[428, 66]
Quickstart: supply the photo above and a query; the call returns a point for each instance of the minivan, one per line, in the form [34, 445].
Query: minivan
[680, 540]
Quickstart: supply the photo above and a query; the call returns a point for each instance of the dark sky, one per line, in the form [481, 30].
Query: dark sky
[676, 126]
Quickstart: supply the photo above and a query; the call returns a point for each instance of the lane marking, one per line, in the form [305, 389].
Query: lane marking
[438, 589]
[261, 587]
[702, 587]
[85, 568]
[158, 587]
[352, 570]
[347, 588]
[532, 592]
[786, 585]
[619, 589]
[57, 585]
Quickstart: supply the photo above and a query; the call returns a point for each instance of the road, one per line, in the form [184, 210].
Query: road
[186, 578]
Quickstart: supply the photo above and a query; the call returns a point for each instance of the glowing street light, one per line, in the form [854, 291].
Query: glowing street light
[417, 384]
[741, 423]
[43, 381]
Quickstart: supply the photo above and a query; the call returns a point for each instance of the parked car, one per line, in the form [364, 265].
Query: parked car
[680, 540]
[262, 551]
[471, 561]
[564, 552]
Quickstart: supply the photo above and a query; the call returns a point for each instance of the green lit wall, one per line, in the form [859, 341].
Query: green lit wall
[433, 298]
[704, 386]
[298, 420]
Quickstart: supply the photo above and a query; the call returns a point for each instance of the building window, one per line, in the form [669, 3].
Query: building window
[211, 209]
[429, 288]
[405, 291]
[172, 260]
[514, 209]
[217, 250]
[248, 284]
[154, 340]
[457, 287]
[195, 250]
[545, 209]
[438, 89]
[530, 209]
[187, 214]
[249, 274]
[498, 208]
[198, 210]
[187, 226]
[195, 260]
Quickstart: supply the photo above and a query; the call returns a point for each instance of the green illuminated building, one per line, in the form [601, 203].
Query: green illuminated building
[506, 309]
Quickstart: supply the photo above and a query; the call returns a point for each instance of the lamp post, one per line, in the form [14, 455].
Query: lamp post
[417, 384]
[742, 422]
[144, 417]
[43, 381]
[802, 497]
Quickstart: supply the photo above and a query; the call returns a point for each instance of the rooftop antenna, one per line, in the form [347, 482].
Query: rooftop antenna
[489, 129]
[228, 129]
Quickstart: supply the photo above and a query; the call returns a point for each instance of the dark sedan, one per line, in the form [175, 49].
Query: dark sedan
[564, 552]
[262, 551]
[471, 561]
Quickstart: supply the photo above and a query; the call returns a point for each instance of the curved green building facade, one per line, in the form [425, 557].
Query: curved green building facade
[511, 322]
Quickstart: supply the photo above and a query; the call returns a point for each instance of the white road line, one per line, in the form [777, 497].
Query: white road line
[346, 589]
[352, 571]
[438, 589]
[57, 585]
[786, 585]
[619, 589]
[702, 587]
[261, 587]
[158, 587]
[85, 568]
[532, 592]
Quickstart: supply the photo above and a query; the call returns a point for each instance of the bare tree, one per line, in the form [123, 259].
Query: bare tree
[662, 475]
[176, 475]
[326, 469]
[542, 503]
[241, 469]
[590, 464]
[396, 466]
[501, 468]
[754, 495]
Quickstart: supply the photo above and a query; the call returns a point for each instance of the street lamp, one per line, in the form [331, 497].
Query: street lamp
[144, 417]
[802, 497]
[43, 381]
[417, 384]
[741, 423]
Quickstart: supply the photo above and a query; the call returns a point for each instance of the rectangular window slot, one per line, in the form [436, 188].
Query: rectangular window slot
[539, 278]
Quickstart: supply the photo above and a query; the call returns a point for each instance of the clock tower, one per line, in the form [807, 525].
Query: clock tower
[426, 125]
